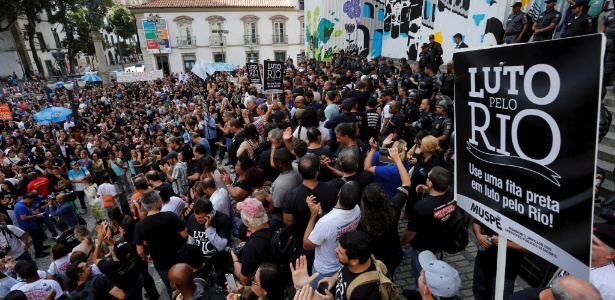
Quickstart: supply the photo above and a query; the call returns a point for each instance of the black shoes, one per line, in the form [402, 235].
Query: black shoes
[41, 255]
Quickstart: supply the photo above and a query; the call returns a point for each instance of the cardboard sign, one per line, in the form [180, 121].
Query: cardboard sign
[526, 143]
[274, 77]
[254, 73]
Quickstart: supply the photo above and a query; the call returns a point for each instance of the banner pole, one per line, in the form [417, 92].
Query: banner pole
[501, 271]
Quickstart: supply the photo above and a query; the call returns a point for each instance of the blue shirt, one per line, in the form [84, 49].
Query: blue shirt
[387, 175]
[210, 128]
[65, 213]
[205, 143]
[21, 209]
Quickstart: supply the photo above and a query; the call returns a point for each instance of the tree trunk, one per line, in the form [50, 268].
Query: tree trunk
[30, 29]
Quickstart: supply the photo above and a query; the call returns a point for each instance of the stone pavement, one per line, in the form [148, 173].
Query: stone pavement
[463, 262]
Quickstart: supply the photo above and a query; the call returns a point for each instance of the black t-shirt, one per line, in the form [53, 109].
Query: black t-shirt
[294, 203]
[255, 251]
[324, 174]
[364, 291]
[395, 125]
[359, 97]
[100, 284]
[165, 189]
[197, 166]
[221, 223]
[235, 143]
[124, 275]
[160, 233]
[56, 182]
[429, 217]
[270, 172]
[68, 239]
[363, 178]
[487, 259]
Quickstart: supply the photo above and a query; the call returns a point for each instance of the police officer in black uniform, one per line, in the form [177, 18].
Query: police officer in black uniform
[410, 106]
[448, 81]
[608, 28]
[426, 117]
[382, 67]
[442, 126]
[579, 24]
[436, 50]
[546, 22]
[425, 57]
[391, 70]
[516, 25]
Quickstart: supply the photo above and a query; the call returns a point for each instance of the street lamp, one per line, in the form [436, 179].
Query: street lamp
[60, 58]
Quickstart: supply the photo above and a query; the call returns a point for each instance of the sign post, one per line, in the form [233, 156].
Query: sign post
[526, 144]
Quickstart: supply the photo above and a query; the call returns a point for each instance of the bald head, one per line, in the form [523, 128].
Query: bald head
[571, 288]
[61, 198]
[181, 276]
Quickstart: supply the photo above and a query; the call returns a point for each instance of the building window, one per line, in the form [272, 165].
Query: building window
[279, 30]
[56, 38]
[216, 24]
[279, 55]
[41, 41]
[250, 30]
[219, 57]
[252, 57]
[186, 36]
[189, 61]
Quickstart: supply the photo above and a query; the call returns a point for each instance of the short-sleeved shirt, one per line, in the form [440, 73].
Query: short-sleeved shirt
[362, 178]
[545, 19]
[331, 110]
[283, 185]
[387, 175]
[364, 291]
[22, 209]
[12, 240]
[294, 204]
[160, 233]
[180, 176]
[197, 234]
[395, 125]
[428, 218]
[100, 284]
[39, 289]
[255, 251]
[515, 23]
[124, 275]
[578, 25]
[79, 175]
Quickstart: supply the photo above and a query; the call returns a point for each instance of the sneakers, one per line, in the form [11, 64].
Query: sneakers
[41, 255]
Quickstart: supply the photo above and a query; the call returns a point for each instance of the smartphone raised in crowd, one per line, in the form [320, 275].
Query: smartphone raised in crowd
[230, 279]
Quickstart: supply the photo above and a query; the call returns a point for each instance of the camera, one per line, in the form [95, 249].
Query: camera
[384, 152]
[237, 250]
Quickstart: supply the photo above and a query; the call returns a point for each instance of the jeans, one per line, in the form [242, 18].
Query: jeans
[164, 275]
[148, 281]
[46, 220]
[81, 196]
[314, 283]
[135, 291]
[416, 268]
[37, 238]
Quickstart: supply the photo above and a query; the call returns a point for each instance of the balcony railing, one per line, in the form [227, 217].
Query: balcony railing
[280, 39]
[251, 40]
[185, 42]
[217, 41]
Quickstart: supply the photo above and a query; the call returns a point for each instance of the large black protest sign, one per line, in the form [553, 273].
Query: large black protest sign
[526, 139]
[254, 73]
[274, 76]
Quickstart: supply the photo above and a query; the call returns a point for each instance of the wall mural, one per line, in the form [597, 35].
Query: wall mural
[397, 28]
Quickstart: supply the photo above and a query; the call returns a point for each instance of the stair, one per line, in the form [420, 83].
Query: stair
[606, 149]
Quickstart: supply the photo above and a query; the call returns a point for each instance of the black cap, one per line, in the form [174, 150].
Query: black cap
[390, 61]
[517, 4]
[605, 233]
[549, 1]
[386, 92]
[425, 45]
[431, 36]
[277, 117]
[170, 155]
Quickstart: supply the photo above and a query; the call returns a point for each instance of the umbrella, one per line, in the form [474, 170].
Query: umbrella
[52, 114]
[91, 78]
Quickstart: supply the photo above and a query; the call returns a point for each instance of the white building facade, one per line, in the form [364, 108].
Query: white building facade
[231, 31]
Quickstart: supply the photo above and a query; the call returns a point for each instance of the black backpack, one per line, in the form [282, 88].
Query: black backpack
[87, 293]
[283, 246]
[455, 237]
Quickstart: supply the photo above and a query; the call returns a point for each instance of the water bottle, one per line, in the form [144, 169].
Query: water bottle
[480, 248]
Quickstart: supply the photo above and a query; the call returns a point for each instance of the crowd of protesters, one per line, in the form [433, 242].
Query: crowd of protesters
[230, 192]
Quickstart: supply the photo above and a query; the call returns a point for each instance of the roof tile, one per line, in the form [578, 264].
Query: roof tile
[213, 3]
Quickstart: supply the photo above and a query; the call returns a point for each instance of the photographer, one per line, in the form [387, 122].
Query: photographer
[62, 210]
[14, 243]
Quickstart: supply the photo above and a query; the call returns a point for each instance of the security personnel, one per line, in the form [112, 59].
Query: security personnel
[425, 57]
[391, 70]
[608, 28]
[516, 25]
[436, 50]
[382, 68]
[547, 21]
[442, 126]
[448, 81]
[579, 24]
[426, 117]
[411, 113]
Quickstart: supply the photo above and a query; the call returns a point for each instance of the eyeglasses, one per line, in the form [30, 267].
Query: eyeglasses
[254, 281]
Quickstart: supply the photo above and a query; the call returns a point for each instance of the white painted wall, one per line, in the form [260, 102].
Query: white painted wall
[235, 50]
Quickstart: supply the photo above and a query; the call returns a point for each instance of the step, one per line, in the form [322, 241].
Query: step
[608, 169]
[609, 101]
[609, 139]
[606, 153]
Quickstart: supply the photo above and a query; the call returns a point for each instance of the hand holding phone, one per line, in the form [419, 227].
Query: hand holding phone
[230, 280]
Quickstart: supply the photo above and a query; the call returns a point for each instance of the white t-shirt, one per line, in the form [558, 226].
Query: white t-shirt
[59, 266]
[175, 205]
[39, 289]
[326, 235]
[221, 201]
[385, 114]
[14, 241]
[603, 279]
[324, 134]
[106, 189]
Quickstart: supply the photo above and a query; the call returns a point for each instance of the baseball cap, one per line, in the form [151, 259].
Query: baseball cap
[170, 155]
[576, 5]
[251, 207]
[347, 104]
[517, 4]
[442, 279]
[431, 36]
[277, 117]
[549, 1]
[425, 45]
[386, 92]
[605, 233]
[72, 163]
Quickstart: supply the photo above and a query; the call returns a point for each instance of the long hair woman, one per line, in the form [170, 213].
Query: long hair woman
[431, 156]
[379, 220]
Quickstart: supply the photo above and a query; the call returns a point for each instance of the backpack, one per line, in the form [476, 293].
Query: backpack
[388, 291]
[455, 237]
[283, 246]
